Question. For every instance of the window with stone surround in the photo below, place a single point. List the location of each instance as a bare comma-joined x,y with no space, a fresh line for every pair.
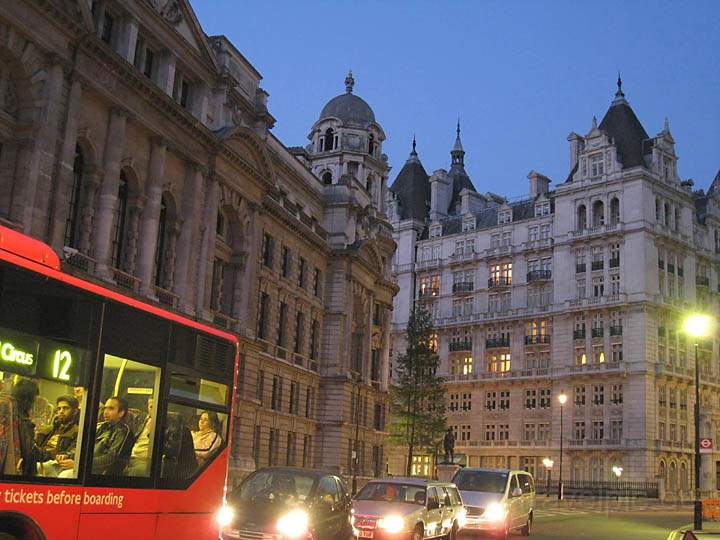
616,429
545,398
579,431
504,403
529,432
503,432
489,432
490,401
599,394
597,165
453,402
598,430
579,395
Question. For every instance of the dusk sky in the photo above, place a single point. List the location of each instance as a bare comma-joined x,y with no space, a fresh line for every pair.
521,75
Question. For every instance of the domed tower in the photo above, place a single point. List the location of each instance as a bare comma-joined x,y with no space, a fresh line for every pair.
346,147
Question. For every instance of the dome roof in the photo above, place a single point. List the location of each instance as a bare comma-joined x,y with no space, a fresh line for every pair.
348,107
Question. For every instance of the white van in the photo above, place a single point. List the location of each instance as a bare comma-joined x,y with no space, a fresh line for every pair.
497,500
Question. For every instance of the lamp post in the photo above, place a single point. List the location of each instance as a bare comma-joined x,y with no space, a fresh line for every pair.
697,326
618,473
548,468
562,398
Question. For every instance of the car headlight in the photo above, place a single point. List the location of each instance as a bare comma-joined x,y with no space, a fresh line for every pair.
462,518
391,524
225,515
495,512
294,524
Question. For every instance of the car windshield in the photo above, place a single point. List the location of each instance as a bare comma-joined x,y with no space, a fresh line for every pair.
392,492
485,481
289,487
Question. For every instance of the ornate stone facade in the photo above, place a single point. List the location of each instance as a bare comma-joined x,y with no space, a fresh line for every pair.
140,149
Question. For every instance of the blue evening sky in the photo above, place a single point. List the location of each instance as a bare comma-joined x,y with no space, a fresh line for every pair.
520,74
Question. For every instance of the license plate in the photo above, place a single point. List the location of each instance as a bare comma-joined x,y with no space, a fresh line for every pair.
366,534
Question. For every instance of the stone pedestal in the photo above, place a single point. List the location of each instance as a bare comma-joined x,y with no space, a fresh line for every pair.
446,471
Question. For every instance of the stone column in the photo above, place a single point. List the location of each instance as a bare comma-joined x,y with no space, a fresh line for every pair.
190,210
109,188
91,182
66,163
207,246
173,232
246,294
151,215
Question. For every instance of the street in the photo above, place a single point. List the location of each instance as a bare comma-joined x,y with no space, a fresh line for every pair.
606,520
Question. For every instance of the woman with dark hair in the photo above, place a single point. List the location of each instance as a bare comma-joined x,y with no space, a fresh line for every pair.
24,393
207,438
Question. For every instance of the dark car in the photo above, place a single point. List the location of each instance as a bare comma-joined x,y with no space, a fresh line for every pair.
289,503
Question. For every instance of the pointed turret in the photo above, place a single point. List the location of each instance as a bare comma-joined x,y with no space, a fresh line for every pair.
621,124
460,179
412,188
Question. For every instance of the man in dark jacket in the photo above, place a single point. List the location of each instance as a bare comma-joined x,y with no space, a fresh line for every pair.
58,439
114,439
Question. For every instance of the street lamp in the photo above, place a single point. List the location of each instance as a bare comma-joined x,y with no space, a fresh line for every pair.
617,471
697,326
548,468
562,398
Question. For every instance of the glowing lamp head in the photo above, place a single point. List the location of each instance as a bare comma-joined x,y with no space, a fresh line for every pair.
392,524
225,516
698,325
294,524
548,463
562,398
617,471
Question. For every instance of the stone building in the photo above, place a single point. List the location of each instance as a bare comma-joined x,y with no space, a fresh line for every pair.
581,288
140,149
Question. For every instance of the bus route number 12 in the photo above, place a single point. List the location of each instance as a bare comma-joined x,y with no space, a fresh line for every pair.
61,365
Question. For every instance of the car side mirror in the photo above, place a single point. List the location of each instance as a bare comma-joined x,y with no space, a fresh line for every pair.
516,492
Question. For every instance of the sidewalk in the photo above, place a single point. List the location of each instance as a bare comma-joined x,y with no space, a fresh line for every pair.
710,530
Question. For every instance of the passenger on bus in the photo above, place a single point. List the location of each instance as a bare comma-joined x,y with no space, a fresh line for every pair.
139,456
113,440
59,438
24,393
207,438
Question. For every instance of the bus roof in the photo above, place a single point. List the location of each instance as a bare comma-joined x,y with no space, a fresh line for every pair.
28,248
32,254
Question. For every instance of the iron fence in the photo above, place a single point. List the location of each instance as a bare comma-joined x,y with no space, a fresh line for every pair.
589,488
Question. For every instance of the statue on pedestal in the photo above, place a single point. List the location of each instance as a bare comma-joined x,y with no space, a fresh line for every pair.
449,445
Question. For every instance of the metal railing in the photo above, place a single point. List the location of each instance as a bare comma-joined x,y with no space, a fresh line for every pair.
465,345
537,339
466,286
497,342
499,282
594,488
539,275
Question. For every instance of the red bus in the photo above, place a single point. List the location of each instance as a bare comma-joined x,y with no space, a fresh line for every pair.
114,414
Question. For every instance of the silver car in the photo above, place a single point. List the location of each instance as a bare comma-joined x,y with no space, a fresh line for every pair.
407,509
497,500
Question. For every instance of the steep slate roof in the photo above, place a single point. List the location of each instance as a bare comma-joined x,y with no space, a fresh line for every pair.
412,188
488,218
623,126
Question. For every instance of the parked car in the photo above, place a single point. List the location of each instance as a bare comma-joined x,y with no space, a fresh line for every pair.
497,500
289,503
408,509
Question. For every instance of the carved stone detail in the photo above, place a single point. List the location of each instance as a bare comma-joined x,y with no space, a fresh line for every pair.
168,10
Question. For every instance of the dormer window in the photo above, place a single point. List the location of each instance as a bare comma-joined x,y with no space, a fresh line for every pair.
542,208
504,216
597,165
667,168
468,224
435,231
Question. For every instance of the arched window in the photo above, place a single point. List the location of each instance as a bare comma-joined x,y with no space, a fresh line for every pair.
120,223
160,246
673,477
72,224
661,469
329,139
614,211
598,215
371,145
684,483
596,470
327,178
581,217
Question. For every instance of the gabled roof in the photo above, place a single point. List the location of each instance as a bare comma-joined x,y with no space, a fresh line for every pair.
412,188
627,132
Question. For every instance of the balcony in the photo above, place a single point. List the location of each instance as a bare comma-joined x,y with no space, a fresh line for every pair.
465,345
463,287
225,321
498,251
539,275
498,282
616,330
579,334
702,281
537,339
580,268
598,332
597,265
426,293
615,263
539,243
125,280
80,261
166,297
495,343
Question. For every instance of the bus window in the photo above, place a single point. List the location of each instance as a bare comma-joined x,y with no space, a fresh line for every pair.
193,437
195,388
125,435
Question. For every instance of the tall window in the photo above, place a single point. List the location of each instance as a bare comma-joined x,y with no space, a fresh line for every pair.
581,222
263,311
119,222
329,140
160,245
72,223
598,214
614,211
